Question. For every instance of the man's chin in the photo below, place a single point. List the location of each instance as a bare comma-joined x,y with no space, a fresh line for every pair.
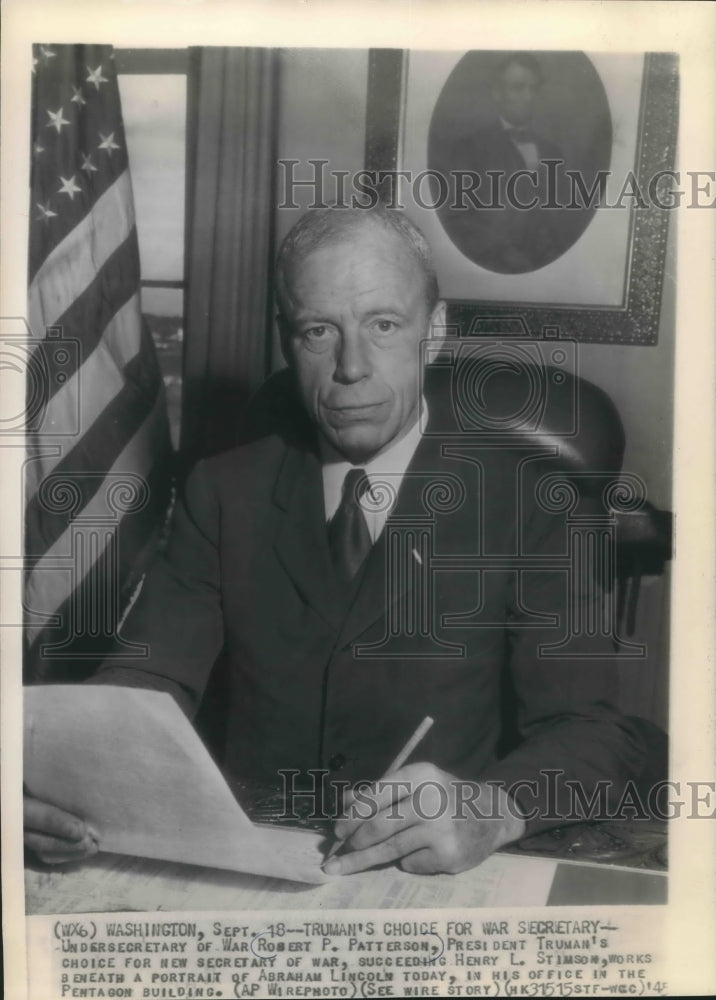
356,445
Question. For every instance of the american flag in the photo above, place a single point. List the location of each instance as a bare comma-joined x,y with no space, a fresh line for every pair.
97,470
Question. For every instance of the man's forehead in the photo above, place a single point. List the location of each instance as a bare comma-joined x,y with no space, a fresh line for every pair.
369,259
330,300
516,72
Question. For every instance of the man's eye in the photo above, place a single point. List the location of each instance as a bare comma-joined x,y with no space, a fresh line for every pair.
320,337
385,326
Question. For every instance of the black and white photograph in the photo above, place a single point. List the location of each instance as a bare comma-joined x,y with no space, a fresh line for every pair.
347,515
489,118
561,135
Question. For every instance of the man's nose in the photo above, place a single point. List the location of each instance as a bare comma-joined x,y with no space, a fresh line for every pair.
352,362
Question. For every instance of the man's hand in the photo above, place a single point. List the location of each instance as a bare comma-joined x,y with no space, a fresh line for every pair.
56,836
428,820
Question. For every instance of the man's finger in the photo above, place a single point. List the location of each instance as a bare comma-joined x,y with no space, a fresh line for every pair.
388,823
405,842
420,862
44,818
364,803
54,851
58,859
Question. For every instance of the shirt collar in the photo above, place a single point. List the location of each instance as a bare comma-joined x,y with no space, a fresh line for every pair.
509,127
393,461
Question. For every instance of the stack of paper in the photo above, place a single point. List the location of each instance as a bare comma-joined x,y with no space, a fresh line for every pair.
129,762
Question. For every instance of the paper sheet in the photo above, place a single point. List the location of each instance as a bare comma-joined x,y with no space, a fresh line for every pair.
129,762
118,884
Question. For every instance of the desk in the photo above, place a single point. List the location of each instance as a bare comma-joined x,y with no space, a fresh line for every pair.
582,865
640,844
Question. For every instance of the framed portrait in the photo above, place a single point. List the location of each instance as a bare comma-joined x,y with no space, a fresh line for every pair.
543,180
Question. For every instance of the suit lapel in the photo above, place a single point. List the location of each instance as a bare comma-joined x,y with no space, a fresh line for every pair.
301,541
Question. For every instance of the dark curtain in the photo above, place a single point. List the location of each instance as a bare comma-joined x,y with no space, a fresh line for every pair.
231,155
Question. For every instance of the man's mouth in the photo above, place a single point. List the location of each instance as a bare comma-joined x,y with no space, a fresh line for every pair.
341,415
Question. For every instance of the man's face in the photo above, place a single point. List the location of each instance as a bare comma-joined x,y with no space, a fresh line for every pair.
516,94
353,318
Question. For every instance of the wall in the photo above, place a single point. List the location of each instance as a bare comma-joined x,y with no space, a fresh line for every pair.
323,97
640,382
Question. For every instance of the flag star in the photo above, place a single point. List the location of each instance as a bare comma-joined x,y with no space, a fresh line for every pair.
108,142
38,148
95,76
87,164
69,187
56,120
47,52
77,97
45,212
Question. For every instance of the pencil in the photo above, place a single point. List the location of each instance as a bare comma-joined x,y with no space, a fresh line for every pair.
394,766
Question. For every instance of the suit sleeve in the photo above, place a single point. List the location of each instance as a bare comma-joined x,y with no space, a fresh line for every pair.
574,745
177,621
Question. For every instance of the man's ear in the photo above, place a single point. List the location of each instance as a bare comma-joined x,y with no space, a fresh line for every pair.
438,328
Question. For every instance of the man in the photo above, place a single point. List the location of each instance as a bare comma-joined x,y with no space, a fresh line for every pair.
514,232
305,586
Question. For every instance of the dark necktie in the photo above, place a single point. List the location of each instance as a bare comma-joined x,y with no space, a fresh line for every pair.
348,535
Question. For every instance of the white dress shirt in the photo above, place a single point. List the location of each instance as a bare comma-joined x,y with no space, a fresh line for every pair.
527,150
385,473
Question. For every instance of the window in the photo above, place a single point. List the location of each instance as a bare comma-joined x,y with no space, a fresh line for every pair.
153,91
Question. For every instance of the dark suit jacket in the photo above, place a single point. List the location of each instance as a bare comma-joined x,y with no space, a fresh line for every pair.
508,239
247,574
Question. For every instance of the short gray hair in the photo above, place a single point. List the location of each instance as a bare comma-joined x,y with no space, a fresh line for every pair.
320,227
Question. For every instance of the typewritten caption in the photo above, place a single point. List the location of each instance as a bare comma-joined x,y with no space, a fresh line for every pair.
169,957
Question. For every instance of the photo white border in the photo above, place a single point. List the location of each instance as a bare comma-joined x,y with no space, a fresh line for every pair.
686,27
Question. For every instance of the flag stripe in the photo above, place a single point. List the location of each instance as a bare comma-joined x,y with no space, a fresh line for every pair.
74,262
136,536
47,589
83,323
99,449
81,399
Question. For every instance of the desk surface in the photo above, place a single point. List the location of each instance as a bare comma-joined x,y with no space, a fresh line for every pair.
587,865
630,844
